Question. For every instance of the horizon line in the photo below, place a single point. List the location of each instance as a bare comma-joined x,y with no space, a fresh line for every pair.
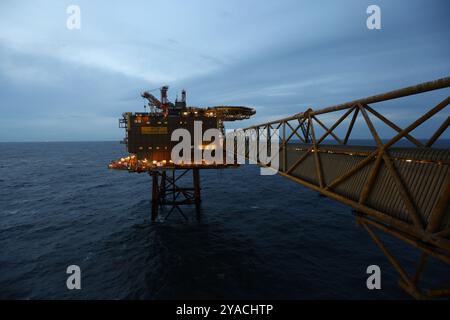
72,141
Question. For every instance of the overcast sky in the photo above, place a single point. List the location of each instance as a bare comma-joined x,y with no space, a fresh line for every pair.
280,57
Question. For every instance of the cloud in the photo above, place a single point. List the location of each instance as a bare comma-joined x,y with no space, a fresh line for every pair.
279,57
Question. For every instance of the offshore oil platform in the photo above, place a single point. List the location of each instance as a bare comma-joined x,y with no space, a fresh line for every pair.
149,144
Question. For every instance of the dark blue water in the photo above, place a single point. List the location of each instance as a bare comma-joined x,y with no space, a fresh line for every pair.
259,237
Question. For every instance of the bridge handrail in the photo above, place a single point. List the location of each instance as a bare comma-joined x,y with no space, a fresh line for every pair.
399,93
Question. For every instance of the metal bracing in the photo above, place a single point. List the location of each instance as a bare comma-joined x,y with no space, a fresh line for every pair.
360,177
166,192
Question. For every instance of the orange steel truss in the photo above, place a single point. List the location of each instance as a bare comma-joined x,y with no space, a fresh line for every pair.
429,235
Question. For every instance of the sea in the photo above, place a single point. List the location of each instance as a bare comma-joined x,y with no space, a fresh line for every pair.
258,237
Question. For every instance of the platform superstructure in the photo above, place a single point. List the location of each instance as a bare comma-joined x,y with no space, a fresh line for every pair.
148,137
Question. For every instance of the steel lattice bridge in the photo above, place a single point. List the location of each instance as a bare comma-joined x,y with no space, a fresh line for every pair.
402,191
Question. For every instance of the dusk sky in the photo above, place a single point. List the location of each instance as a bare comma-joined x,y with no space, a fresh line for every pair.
280,58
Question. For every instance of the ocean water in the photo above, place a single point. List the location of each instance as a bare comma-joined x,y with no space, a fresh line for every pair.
259,236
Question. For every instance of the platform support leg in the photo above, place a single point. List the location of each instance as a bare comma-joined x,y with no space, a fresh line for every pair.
155,195
166,192
162,188
197,197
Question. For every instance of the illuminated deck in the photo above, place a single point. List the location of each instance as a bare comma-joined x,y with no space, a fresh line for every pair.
131,164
